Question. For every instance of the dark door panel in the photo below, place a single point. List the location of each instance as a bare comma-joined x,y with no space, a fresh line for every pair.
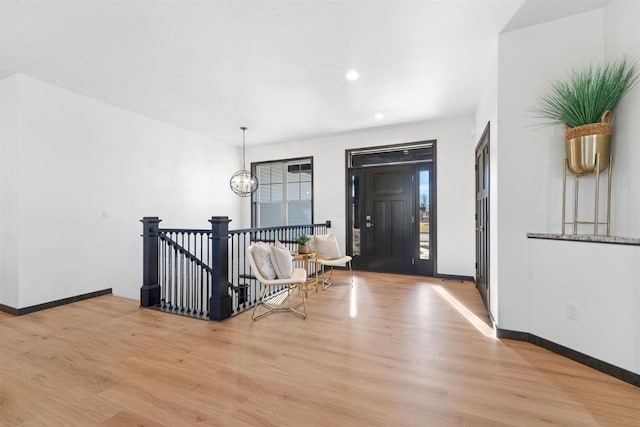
388,233
482,216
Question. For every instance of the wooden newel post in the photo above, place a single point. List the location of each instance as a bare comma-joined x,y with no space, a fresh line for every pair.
220,301
150,290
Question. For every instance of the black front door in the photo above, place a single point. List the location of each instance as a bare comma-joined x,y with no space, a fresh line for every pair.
388,219
482,216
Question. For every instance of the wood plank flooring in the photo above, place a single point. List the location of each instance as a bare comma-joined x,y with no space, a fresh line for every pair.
388,352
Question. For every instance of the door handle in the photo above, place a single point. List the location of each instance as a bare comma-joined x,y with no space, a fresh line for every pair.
480,228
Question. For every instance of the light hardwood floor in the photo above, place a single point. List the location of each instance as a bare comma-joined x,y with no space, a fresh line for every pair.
389,352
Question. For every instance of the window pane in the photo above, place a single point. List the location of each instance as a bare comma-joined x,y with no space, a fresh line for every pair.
305,191
277,172
293,191
305,176
276,192
355,214
424,214
299,213
264,192
270,214
293,173
263,174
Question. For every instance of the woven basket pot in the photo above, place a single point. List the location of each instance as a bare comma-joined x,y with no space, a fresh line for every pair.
584,142
303,249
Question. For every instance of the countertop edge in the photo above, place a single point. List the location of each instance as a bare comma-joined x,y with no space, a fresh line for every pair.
587,238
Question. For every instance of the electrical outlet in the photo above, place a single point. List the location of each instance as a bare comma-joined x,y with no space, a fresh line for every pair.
572,311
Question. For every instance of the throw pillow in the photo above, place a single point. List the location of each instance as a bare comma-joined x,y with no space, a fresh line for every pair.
282,262
311,243
327,246
262,257
279,244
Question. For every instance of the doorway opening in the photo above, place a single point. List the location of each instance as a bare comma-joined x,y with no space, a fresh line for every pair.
391,208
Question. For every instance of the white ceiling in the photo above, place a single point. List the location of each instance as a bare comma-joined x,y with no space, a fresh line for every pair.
277,67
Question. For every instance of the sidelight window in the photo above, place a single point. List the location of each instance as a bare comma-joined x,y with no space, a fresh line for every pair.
424,204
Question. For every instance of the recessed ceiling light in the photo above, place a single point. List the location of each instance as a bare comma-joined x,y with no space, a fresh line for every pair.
353,75
379,116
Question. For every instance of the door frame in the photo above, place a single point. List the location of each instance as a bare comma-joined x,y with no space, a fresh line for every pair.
416,165
485,139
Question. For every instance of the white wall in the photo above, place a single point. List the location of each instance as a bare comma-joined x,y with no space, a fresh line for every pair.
601,280
538,279
455,177
622,38
487,111
88,172
8,191
530,158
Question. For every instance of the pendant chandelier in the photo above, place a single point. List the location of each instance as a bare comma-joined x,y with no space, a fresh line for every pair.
243,183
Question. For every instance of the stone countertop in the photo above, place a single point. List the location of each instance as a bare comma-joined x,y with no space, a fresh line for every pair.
614,240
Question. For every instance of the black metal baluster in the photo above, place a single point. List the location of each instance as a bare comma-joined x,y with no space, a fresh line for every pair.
242,285
192,286
200,283
187,287
232,290
163,273
179,275
176,294
170,277
182,270
190,281
176,271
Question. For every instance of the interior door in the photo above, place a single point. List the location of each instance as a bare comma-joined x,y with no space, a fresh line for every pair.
388,240
482,216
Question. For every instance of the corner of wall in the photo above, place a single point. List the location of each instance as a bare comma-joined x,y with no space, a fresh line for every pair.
9,191
528,59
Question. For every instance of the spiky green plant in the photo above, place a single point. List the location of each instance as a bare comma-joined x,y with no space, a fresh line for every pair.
587,94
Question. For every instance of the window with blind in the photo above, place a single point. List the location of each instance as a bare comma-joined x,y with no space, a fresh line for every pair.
285,193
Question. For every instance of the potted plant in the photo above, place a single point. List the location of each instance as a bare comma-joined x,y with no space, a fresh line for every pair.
302,241
583,103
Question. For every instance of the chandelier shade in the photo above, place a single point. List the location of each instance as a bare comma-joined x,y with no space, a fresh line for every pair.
243,182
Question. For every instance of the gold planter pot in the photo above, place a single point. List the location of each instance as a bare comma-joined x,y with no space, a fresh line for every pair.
581,153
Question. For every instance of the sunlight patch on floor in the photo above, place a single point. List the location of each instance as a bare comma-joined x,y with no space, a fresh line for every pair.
477,323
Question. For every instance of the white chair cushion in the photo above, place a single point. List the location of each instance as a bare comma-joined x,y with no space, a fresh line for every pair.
327,246
282,262
279,244
262,258
335,262
299,276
